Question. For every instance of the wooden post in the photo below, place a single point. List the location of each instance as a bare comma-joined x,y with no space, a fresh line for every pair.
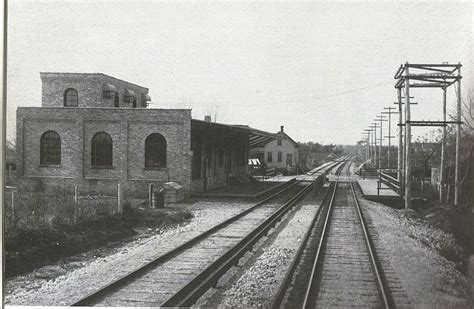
119,199
13,208
448,194
408,179
389,137
381,119
76,197
457,176
368,145
150,195
443,146
389,133
380,145
400,139
375,145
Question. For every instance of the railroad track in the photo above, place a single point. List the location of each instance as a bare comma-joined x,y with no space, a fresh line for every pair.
336,265
182,275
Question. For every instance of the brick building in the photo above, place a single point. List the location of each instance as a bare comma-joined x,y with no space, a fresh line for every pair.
94,131
90,90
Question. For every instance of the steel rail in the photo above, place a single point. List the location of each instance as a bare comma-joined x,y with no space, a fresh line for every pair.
381,284
320,245
92,297
276,303
190,293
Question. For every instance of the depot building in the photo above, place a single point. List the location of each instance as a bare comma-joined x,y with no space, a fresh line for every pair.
94,131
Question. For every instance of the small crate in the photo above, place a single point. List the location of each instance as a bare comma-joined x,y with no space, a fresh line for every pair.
174,192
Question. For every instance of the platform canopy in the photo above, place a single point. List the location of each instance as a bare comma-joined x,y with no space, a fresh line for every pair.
256,138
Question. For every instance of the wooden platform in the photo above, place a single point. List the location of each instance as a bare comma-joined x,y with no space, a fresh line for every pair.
254,190
369,189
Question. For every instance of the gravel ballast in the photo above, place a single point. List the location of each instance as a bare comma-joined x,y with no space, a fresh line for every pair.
428,279
80,275
260,281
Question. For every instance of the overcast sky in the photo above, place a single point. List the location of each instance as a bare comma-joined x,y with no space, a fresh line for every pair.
322,70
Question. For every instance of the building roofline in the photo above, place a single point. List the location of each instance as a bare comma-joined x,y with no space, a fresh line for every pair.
257,137
96,74
230,126
101,107
286,135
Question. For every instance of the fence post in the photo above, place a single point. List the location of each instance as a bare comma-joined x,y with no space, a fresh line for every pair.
119,199
13,208
76,196
150,195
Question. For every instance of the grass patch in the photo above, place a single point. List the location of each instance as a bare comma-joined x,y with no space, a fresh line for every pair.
28,249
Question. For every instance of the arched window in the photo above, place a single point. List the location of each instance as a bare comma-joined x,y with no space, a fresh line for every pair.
134,102
116,100
50,148
70,97
155,151
101,150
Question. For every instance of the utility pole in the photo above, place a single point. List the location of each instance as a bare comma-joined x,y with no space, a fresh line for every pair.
457,176
381,119
391,110
374,127
400,160
401,139
429,76
443,146
367,131
407,140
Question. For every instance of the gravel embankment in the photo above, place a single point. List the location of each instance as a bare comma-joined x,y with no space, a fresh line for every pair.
260,281
429,279
82,274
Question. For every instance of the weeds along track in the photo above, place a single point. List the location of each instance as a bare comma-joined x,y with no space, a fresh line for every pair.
336,265
181,276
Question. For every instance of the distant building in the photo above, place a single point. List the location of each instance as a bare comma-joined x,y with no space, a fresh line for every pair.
280,153
95,131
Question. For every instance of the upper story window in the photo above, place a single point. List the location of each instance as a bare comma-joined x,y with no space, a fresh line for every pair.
101,150
155,151
129,97
116,100
70,97
279,142
50,148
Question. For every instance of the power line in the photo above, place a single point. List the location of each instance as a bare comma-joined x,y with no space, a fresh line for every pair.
329,95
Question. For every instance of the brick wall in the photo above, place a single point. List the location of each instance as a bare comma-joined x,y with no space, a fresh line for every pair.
128,129
89,87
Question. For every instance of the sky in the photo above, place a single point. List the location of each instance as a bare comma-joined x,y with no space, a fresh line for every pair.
322,70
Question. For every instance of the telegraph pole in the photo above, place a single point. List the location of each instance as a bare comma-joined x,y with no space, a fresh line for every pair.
457,183
374,127
391,110
367,131
407,140
443,146
381,119
400,165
